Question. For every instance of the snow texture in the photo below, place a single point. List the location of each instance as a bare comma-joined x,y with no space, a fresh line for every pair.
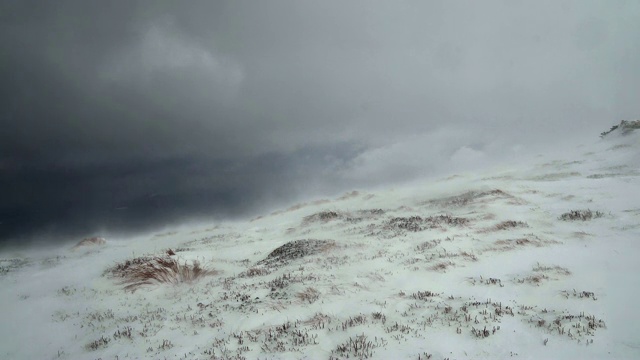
530,261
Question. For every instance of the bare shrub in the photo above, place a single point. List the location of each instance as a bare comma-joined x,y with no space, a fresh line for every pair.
513,244
156,270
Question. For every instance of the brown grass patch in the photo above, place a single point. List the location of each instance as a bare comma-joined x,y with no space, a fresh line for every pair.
309,295
156,270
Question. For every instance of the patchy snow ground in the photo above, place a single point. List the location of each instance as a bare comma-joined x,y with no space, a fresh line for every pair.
466,267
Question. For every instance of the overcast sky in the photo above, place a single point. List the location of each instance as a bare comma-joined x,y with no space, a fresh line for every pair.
126,115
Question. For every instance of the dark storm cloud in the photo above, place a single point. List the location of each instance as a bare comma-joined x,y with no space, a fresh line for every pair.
122,115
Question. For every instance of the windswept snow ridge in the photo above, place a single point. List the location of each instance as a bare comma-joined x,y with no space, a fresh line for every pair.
535,261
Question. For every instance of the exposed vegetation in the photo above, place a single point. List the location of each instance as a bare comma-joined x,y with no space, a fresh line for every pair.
582,215
295,250
510,224
154,270
468,198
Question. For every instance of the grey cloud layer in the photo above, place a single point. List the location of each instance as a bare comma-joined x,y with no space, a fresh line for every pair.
224,107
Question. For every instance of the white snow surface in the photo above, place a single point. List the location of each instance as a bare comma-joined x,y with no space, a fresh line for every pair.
483,251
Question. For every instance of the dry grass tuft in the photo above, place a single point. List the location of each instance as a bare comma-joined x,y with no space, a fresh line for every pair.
552,268
510,224
309,295
513,244
156,270
359,347
427,245
582,215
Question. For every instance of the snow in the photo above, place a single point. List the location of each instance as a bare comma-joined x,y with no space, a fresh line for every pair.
465,253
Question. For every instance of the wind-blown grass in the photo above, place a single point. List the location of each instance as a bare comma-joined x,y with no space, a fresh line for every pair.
156,270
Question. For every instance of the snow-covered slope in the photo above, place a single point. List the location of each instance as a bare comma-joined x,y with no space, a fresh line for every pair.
531,261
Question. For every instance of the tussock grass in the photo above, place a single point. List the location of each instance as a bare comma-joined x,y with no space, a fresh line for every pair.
309,295
155,270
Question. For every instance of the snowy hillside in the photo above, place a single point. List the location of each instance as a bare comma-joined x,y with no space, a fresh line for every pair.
531,261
